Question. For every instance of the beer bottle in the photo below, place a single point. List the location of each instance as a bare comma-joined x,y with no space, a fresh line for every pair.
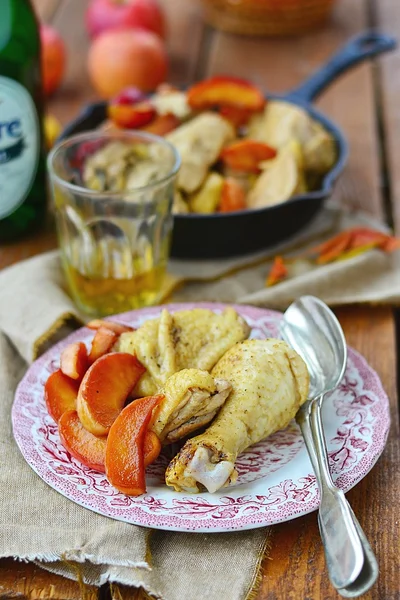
22,148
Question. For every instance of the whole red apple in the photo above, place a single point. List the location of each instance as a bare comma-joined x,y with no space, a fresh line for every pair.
119,58
102,15
53,58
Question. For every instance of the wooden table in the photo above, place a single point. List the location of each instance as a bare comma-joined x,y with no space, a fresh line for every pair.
366,103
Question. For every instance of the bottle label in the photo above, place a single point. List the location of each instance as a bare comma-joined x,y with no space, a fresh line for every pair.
19,145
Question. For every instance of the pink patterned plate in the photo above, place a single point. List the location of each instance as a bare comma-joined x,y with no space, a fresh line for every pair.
275,483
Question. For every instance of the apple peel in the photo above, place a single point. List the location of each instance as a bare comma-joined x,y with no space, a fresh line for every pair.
225,91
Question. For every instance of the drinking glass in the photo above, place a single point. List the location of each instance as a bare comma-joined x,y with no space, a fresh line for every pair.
113,195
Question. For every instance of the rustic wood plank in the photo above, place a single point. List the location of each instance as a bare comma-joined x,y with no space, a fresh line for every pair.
280,64
386,13
46,9
26,581
296,565
75,90
34,244
185,30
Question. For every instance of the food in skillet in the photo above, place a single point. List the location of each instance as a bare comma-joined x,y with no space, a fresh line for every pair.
198,368
238,150
269,383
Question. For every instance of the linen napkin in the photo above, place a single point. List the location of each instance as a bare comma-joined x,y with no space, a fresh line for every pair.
371,277
38,524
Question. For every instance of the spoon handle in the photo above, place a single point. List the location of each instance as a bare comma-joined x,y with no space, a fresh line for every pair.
343,548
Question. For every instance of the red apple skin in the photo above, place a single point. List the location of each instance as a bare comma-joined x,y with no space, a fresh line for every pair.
102,15
130,95
53,59
119,58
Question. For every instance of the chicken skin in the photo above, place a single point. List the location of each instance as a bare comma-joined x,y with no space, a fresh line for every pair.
192,399
269,383
186,339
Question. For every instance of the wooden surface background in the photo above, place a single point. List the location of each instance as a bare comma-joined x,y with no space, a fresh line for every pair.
366,104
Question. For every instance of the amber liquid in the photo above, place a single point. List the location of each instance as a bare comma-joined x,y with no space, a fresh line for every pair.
99,296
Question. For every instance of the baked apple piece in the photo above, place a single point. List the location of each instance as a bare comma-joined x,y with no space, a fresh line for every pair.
131,116
89,449
104,339
162,124
118,328
225,91
60,394
246,155
236,115
233,197
74,360
105,388
125,466
83,445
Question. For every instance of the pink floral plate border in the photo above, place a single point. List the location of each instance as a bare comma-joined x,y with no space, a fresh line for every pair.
275,483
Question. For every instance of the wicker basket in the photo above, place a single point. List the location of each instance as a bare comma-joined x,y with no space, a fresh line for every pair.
267,17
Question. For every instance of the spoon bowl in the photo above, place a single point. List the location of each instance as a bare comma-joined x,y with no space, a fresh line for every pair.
316,335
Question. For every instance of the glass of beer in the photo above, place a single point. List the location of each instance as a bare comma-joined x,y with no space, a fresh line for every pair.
113,194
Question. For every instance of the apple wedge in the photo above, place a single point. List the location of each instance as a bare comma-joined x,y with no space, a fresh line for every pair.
125,465
74,360
104,339
89,449
105,388
118,328
60,394
83,445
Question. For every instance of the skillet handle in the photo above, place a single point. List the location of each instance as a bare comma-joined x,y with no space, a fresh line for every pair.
89,118
366,45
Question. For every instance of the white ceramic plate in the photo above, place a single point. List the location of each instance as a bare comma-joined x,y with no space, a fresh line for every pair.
276,482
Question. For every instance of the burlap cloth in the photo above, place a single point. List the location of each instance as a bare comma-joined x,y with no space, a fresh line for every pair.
38,524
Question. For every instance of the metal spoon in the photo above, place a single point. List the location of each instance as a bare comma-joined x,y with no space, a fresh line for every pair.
314,332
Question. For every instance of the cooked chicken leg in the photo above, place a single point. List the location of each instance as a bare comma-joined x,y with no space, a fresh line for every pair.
192,398
183,340
269,384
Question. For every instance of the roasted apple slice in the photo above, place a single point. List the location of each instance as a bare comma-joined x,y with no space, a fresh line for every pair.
279,271
74,360
103,341
236,115
246,155
105,388
83,445
60,393
162,124
225,91
131,116
125,468
118,328
232,196
90,450
152,447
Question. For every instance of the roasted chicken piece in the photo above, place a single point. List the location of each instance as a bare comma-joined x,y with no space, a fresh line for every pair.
269,383
192,399
199,143
183,340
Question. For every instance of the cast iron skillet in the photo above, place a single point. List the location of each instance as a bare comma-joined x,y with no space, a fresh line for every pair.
238,233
